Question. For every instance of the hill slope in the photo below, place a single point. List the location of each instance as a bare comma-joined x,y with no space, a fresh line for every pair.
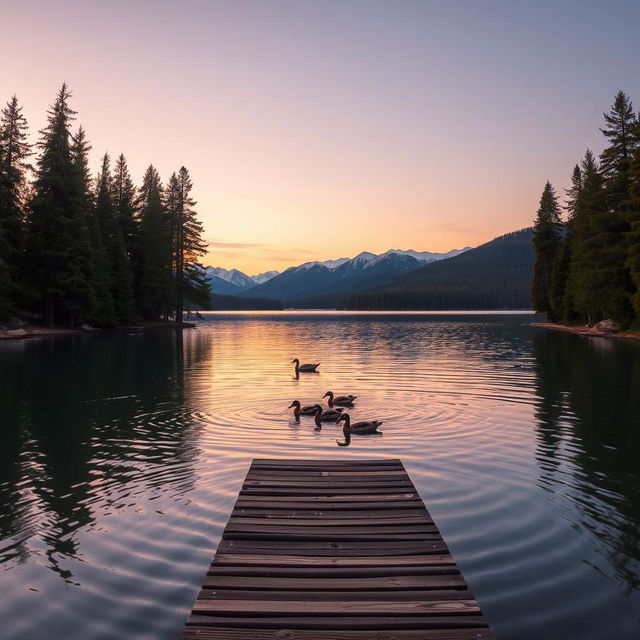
495,275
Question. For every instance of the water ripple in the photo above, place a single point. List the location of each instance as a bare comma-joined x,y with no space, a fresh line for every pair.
124,466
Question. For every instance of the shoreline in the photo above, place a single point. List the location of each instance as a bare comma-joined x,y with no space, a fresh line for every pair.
587,331
35,331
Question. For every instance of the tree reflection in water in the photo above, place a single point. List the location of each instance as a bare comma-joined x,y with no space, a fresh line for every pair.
588,432
85,434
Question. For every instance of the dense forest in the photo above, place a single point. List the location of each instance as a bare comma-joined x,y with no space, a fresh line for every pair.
76,248
495,275
220,302
588,268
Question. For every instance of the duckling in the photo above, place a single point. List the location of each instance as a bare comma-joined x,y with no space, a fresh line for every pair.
307,410
345,401
328,415
305,368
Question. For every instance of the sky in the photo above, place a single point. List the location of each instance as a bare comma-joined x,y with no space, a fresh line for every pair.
316,129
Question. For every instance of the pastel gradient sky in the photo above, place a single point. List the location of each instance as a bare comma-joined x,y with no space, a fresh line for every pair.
318,129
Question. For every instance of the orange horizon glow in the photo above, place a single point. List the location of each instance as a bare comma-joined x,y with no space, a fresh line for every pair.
314,131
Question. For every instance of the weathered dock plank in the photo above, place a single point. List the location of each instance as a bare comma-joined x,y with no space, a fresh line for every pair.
333,550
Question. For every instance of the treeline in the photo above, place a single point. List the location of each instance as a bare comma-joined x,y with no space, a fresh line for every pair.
76,248
236,303
449,297
588,269
495,275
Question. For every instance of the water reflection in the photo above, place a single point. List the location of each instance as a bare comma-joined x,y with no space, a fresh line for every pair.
121,457
589,442
96,427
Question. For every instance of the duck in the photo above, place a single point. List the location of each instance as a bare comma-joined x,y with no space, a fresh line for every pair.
304,368
345,401
362,427
306,410
328,415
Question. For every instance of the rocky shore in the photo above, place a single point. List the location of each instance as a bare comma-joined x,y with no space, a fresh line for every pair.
604,329
18,330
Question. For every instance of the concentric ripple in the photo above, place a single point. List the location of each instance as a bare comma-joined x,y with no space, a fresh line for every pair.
124,454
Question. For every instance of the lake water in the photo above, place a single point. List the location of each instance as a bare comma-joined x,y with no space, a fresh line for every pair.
121,456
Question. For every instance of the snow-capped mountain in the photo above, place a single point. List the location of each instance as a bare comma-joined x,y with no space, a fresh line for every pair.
344,274
232,276
259,278
329,264
425,256
233,281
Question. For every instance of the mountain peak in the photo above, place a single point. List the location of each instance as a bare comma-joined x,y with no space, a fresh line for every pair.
259,278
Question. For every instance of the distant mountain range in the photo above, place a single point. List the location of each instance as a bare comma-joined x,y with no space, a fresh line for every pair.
495,275
231,281
313,278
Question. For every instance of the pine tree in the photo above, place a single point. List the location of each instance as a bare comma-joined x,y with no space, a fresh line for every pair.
574,191
155,293
14,151
597,286
614,224
124,201
547,242
101,310
561,304
615,160
188,245
120,276
57,244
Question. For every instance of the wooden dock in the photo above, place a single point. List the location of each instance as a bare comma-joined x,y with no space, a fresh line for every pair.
333,550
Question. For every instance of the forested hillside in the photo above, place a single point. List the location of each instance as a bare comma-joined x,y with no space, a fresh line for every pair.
236,303
496,275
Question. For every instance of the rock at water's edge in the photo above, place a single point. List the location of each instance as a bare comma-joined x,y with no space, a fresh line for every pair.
605,326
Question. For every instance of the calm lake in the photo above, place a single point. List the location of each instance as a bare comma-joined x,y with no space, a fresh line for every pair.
121,456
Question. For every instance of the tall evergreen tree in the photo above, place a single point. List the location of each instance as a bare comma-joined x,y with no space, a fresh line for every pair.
101,309
574,191
155,293
124,201
57,244
613,225
561,304
597,286
615,160
14,152
120,275
188,245
547,243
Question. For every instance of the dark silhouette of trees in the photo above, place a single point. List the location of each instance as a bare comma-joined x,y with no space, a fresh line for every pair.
76,249
547,242
596,272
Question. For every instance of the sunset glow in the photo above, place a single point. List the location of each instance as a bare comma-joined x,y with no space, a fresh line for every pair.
319,130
